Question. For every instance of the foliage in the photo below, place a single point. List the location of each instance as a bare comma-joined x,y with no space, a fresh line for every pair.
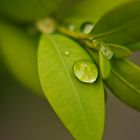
41,42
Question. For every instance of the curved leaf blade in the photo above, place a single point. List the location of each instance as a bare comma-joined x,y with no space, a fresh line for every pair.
123,81
80,106
120,26
104,65
78,13
134,46
119,51
126,82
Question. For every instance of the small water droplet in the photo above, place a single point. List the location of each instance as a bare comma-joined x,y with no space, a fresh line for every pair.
67,53
87,27
106,51
85,70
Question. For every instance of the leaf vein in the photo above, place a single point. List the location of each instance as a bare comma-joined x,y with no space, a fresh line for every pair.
128,84
74,88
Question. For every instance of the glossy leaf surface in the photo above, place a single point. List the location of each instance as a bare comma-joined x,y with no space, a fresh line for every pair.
120,26
78,12
80,106
119,51
124,82
104,65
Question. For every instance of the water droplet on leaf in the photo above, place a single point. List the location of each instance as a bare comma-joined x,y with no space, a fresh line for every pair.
86,71
119,51
106,51
67,53
87,27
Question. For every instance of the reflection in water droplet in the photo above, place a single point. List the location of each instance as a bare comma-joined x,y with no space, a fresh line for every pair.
85,70
106,51
87,27
67,53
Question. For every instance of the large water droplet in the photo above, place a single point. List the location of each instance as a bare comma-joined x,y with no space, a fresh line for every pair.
86,71
67,53
87,27
106,51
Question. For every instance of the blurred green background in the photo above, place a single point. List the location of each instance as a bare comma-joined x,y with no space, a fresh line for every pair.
25,115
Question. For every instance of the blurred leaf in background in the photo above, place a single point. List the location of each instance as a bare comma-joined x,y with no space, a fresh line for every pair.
19,51
29,10
81,11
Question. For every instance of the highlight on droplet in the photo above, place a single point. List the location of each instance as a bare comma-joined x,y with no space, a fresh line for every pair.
67,53
106,51
87,27
85,70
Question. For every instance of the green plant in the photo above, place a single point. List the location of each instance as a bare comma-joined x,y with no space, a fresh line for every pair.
73,64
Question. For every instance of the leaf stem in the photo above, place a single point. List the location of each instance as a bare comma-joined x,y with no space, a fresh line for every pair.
73,34
84,39
49,26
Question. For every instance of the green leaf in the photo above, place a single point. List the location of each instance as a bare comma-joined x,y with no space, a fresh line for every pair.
119,51
124,82
135,46
120,26
82,11
104,65
20,54
80,106
30,10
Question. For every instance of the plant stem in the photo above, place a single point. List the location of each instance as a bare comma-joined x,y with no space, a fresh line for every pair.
84,39
73,34
49,26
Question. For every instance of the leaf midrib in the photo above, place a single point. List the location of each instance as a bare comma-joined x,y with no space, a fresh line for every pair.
74,88
115,30
123,80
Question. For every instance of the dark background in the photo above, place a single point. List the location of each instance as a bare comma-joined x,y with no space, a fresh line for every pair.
25,116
